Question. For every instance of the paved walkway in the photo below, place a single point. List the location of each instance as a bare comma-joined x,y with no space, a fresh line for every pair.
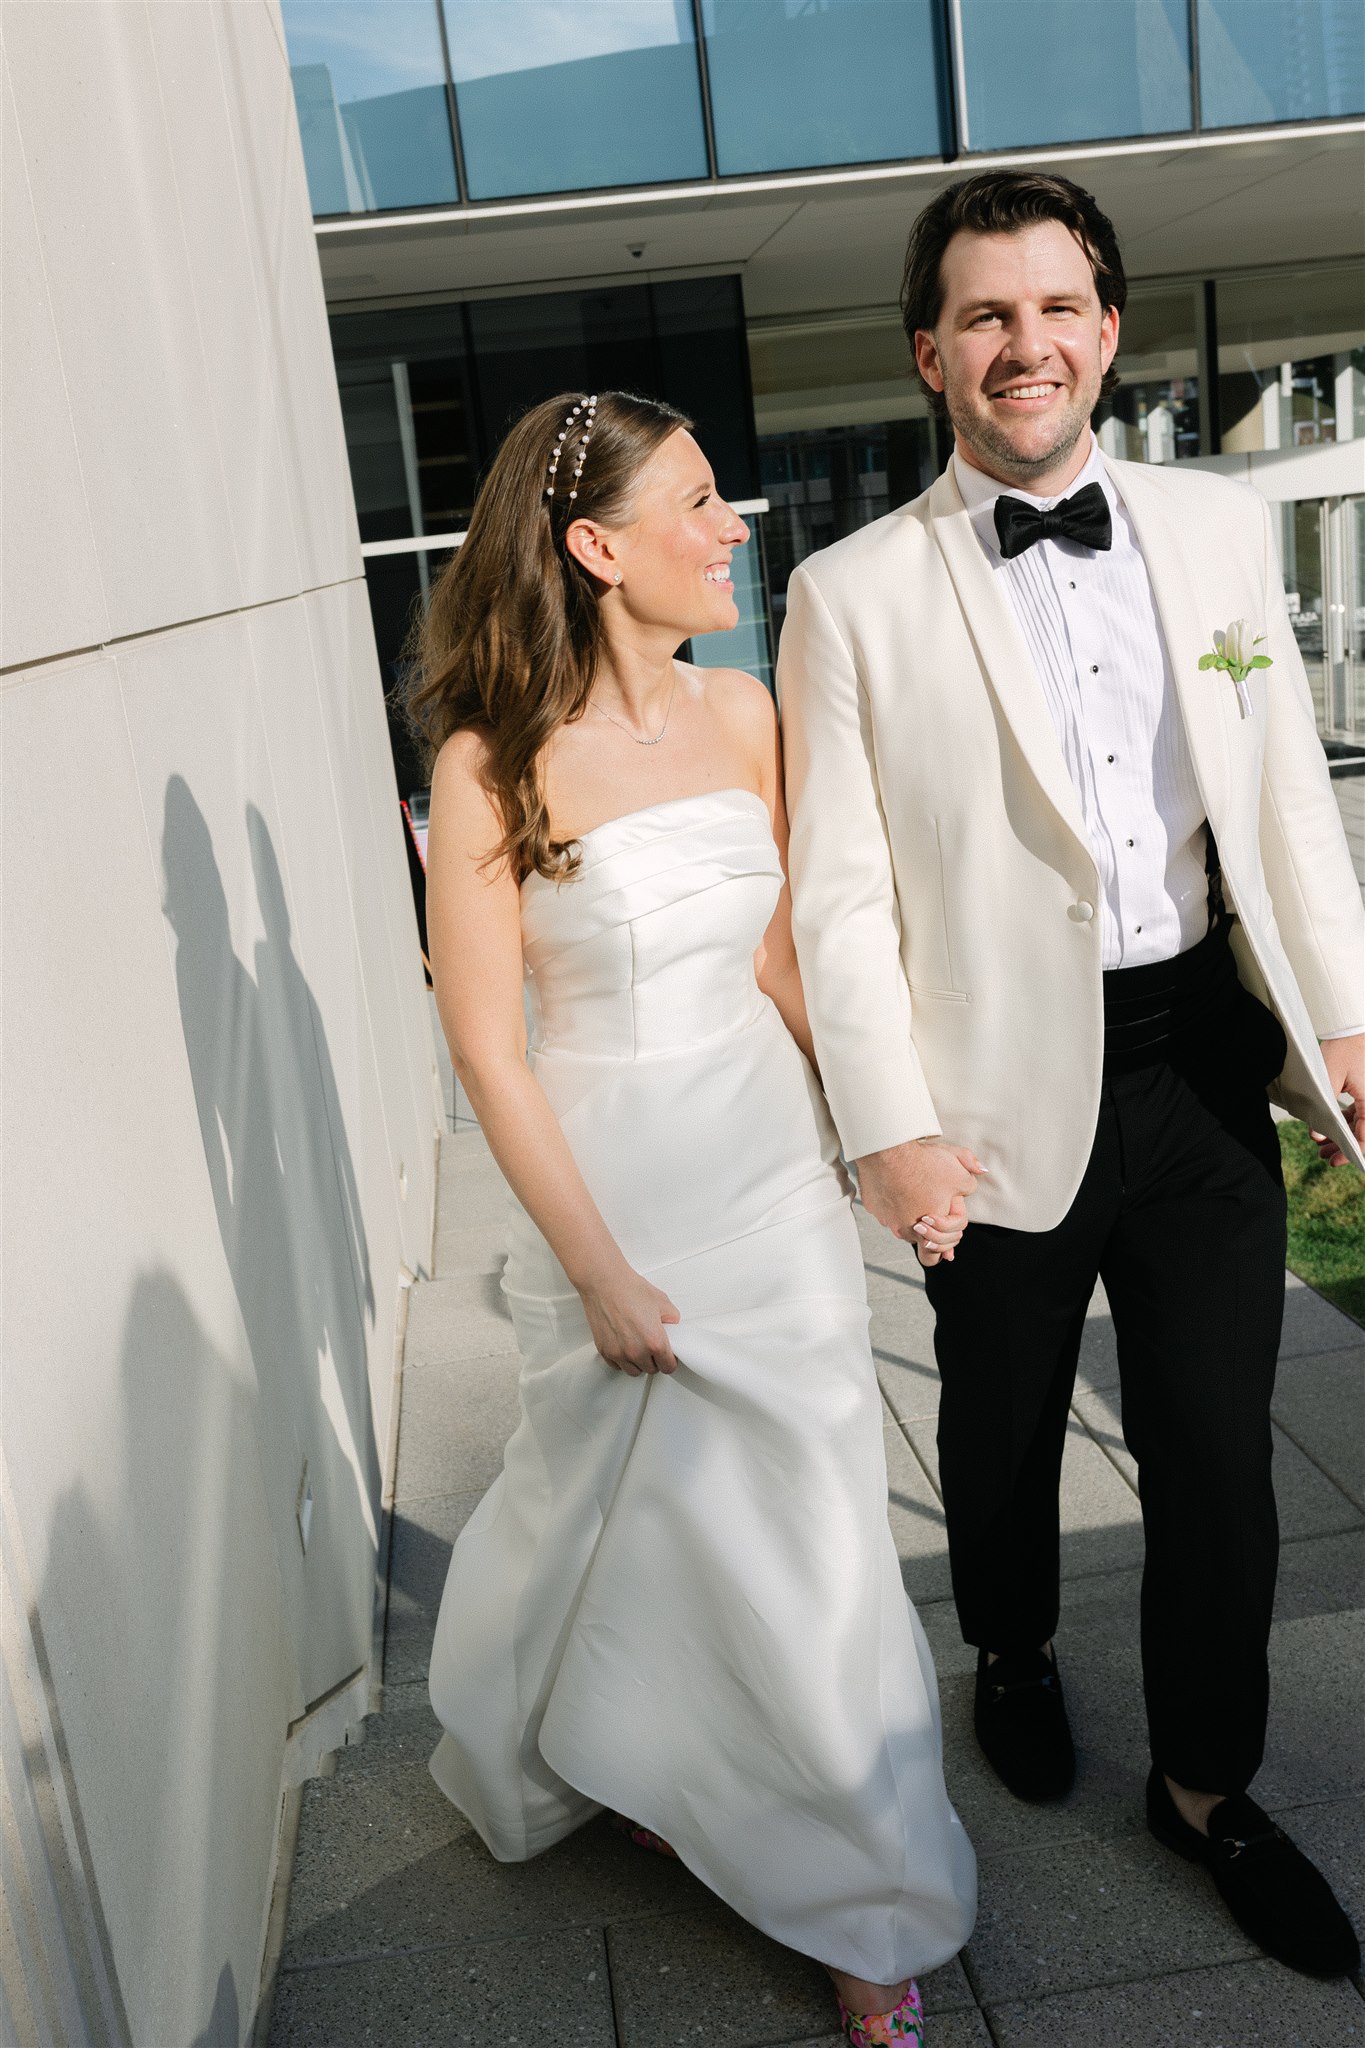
403,1931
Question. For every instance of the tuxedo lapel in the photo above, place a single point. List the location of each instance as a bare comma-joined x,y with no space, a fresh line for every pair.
1004,655
1188,633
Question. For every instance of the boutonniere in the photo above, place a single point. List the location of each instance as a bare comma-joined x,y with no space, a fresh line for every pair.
1235,651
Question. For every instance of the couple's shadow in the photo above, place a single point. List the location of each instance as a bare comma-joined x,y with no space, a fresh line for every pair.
289,1215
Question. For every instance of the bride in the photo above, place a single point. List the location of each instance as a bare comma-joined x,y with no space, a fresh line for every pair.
680,1600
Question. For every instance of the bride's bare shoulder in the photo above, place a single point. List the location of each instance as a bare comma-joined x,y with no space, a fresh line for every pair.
739,700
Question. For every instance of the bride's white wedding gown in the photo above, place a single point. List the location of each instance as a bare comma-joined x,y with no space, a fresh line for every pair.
681,1598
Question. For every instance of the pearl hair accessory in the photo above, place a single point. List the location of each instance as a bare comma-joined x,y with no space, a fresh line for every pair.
588,408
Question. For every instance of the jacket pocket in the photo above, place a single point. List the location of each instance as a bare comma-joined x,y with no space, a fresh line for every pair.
937,995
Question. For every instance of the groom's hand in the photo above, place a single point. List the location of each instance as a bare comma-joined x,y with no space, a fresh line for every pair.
924,1177
1345,1061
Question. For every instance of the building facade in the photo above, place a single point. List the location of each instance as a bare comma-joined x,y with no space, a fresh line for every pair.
709,200
220,1104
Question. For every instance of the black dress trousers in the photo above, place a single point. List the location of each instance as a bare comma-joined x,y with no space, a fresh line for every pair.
1181,1213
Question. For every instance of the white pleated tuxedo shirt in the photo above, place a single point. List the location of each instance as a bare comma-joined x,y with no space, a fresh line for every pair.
1090,622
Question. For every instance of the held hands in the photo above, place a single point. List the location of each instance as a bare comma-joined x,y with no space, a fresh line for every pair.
627,1316
919,1191
1345,1062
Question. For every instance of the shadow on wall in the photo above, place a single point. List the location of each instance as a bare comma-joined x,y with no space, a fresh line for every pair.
288,1207
182,1643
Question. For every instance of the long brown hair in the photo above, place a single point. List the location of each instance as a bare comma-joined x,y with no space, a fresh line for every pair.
511,639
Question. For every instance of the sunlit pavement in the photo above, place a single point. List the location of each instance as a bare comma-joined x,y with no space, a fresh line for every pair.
403,1930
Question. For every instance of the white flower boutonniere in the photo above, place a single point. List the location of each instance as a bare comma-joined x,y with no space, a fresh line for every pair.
1235,652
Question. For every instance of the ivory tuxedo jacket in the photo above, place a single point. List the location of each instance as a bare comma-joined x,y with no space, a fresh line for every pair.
945,902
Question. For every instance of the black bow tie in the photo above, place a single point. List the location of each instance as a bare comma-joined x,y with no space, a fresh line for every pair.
1084,518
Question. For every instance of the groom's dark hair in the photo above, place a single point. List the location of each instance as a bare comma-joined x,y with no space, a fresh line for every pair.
1001,203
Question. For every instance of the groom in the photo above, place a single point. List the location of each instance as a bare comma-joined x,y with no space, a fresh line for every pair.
1068,903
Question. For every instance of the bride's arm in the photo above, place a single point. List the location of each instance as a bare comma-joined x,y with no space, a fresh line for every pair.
474,932
775,962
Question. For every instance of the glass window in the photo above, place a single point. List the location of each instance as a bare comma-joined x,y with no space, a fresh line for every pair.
1154,414
1280,60
411,425
835,370
369,83
1073,70
796,82
562,99
1291,358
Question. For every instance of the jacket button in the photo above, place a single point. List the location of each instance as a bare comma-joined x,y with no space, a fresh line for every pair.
1081,913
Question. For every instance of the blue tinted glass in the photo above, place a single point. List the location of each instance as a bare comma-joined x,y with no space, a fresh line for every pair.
560,99
797,82
1280,60
1072,70
369,82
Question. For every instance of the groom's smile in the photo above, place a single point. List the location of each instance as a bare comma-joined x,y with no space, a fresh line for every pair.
1019,350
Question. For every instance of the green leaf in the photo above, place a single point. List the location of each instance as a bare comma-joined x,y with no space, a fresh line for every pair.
1261,661
1210,661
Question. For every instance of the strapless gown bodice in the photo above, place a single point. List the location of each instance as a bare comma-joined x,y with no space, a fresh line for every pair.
681,1597
649,948
647,1019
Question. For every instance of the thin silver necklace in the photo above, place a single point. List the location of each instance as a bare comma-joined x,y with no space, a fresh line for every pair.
635,735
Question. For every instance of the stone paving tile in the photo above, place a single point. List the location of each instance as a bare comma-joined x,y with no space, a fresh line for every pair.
423,1534
1101,1520
1086,1912
1320,1402
1333,1835
1107,1798
707,1977
1322,1575
1310,1504
456,1420
916,1522
403,1733
902,1332
385,1862
1313,1324
1098,1412
471,1218
468,1996
464,1317
1242,2005
1315,1744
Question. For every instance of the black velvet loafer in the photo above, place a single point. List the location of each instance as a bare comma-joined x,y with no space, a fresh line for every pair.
1272,1891
1021,1724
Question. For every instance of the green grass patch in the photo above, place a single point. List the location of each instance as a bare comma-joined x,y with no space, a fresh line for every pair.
1326,1221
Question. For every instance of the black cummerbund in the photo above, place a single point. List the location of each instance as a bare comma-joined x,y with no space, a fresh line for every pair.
1149,1011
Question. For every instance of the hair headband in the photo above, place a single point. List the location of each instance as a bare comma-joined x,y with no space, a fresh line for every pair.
588,422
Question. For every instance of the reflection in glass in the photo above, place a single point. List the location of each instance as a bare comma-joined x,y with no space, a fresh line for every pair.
561,99
824,482
1072,70
1280,60
831,370
797,82
406,399
1291,358
1154,414
369,83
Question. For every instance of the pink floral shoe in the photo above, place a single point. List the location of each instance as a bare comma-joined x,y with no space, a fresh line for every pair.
643,1838
884,2029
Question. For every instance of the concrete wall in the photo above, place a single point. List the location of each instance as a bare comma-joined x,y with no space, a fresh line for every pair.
220,1102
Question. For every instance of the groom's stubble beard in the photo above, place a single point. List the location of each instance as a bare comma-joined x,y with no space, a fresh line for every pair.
998,455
